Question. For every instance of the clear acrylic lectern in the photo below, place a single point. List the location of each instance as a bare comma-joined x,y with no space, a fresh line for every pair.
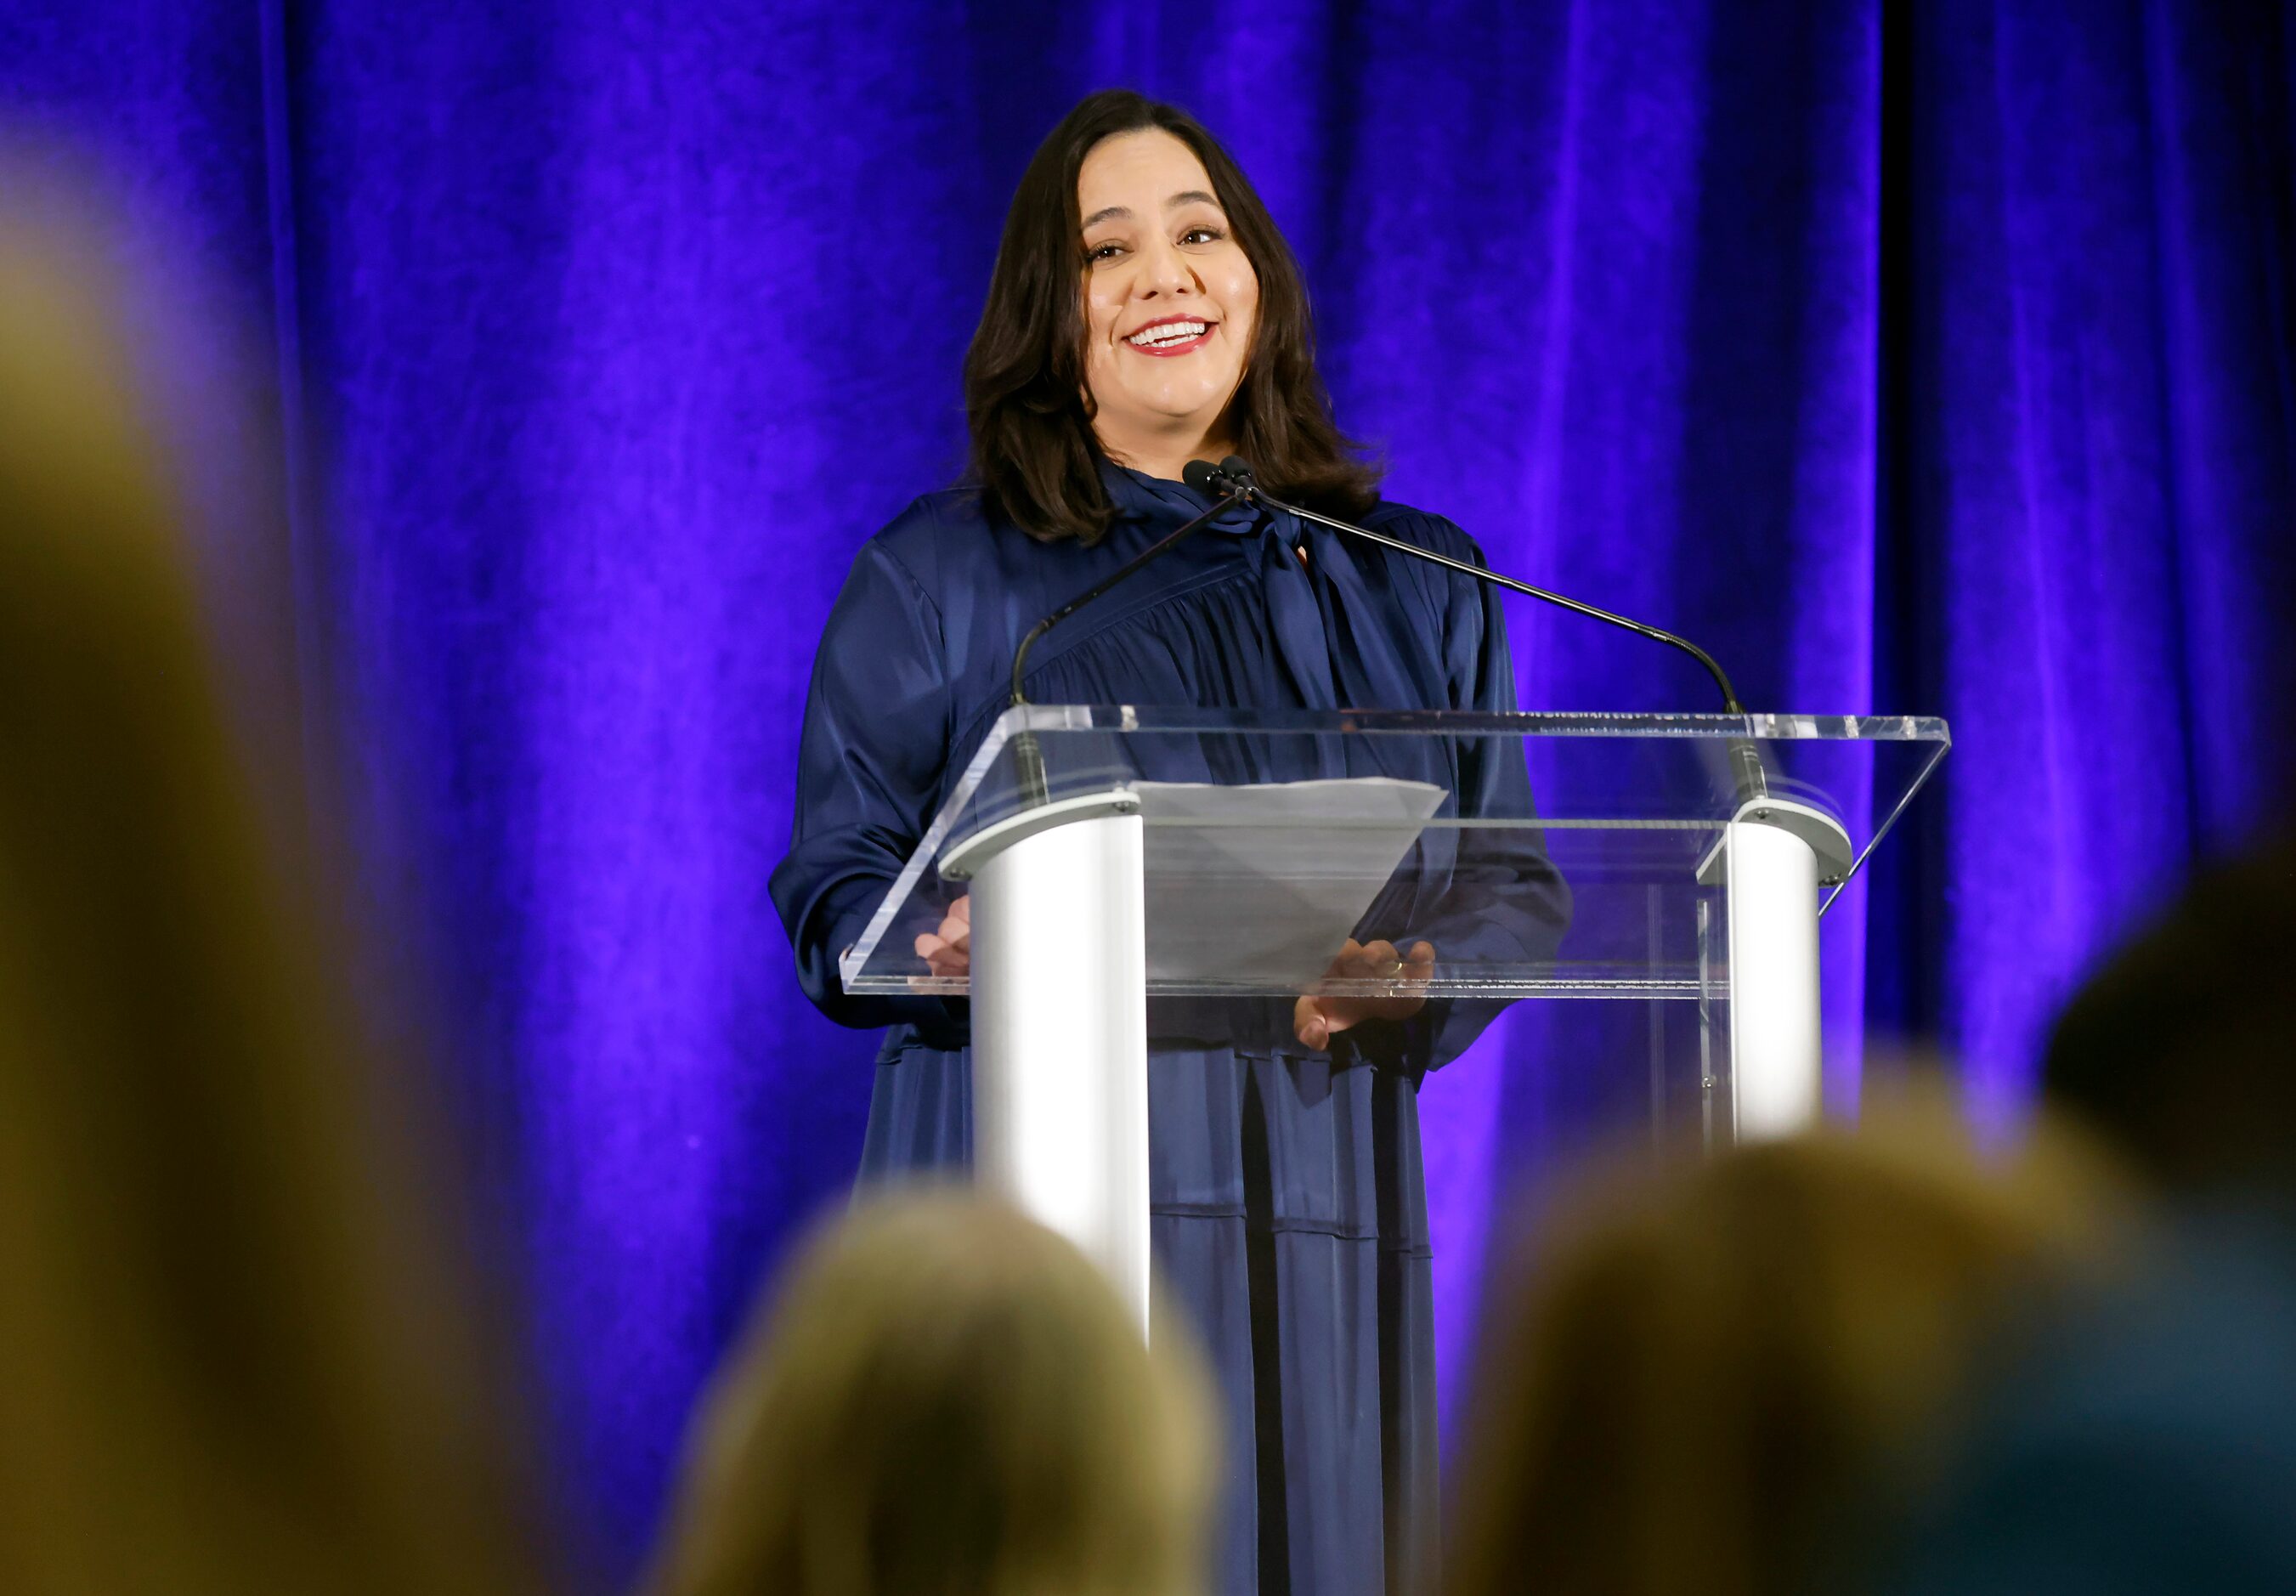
1129,867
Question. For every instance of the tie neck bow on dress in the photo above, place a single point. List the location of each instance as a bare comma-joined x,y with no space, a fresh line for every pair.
1169,504
1309,605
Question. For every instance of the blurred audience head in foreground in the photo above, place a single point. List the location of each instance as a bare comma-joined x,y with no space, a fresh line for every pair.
2181,1051
2148,1442
942,1397
234,1359
1704,1376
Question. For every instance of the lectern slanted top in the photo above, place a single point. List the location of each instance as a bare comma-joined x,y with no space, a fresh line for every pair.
1156,875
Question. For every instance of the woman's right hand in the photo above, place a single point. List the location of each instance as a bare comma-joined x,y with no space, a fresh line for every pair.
948,951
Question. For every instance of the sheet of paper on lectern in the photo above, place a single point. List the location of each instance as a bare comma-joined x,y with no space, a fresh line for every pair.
1267,881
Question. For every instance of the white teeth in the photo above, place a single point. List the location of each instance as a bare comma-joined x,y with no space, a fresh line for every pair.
1167,333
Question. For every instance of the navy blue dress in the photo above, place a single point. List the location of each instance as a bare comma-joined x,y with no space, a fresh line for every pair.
1288,1210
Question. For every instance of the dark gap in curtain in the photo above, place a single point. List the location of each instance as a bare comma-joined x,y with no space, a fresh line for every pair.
2268,99
2272,99
2155,83
304,549
1740,434
1902,999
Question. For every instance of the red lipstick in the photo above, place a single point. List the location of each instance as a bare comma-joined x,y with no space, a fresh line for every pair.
1187,347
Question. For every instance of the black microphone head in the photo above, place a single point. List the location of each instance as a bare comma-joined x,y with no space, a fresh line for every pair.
1237,467
1203,476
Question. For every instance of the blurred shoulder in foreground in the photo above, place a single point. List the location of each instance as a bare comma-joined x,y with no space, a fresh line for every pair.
237,1358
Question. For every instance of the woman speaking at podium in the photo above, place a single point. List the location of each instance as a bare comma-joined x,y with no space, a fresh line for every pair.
1144,312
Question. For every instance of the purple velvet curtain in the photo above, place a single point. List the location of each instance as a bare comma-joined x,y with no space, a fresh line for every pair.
1926,357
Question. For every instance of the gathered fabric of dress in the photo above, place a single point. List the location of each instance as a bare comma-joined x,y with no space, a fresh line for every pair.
1288,1211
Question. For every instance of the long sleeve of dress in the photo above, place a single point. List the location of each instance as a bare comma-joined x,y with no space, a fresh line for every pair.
870,766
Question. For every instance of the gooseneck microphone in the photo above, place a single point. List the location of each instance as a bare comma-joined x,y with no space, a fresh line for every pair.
1029,759
1233,479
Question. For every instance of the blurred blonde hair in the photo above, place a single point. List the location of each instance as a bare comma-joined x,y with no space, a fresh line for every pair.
230,1358
1705,1376
945,1397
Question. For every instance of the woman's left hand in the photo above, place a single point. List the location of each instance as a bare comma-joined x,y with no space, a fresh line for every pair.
1317,1020
947,949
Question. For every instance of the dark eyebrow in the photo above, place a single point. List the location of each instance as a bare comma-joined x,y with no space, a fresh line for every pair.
1185,196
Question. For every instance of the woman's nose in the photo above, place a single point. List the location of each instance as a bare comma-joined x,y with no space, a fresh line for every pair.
1165,270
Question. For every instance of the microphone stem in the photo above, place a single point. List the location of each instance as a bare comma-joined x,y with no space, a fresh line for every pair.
1154,551
1027,758
1730,704
1748,778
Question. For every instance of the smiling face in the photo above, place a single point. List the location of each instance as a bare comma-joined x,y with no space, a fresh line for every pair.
1170,301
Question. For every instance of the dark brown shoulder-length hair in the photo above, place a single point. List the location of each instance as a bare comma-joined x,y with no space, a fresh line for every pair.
1034,453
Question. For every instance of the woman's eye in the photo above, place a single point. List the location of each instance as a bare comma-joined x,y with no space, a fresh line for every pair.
1106,251
1201,235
